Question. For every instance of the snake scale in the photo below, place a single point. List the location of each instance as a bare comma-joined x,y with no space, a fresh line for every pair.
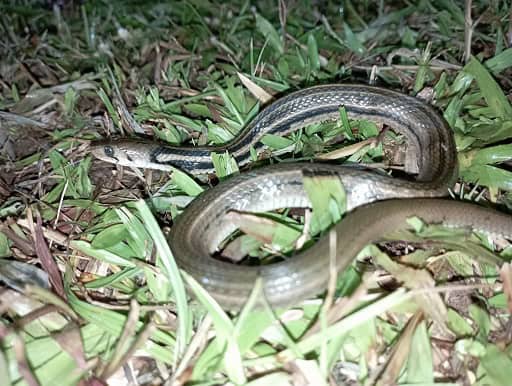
377,203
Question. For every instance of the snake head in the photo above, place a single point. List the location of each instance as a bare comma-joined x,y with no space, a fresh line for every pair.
126,153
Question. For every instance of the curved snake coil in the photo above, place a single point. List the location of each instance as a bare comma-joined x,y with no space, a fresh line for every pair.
203,225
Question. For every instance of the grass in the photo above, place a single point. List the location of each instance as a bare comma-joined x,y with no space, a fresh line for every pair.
198,72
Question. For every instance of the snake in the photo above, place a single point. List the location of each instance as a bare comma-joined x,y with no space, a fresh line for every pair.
376,202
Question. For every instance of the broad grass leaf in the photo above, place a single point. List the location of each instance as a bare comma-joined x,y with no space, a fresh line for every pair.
270,33
491,91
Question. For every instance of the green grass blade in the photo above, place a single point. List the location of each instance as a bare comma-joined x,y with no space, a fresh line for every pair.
173,273
491,91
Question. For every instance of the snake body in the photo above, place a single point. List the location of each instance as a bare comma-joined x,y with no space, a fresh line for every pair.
195,236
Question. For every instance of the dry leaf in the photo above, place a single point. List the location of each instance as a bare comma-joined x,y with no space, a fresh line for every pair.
260,94
348,150
46,258
70,340
260,228
305,373
430,302
401,351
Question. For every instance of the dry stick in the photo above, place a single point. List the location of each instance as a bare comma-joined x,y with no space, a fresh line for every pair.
373,75
305,231
26,246
129,330
454,288
53,235
125,307
343,307
347,304
468,31
44,106
140,340
195,344
389,372
36,314
69,340
21,120
18,346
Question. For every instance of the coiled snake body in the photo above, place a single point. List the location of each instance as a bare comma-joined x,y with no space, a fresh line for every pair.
203,225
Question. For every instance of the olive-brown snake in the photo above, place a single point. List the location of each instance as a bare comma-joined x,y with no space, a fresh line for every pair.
203,225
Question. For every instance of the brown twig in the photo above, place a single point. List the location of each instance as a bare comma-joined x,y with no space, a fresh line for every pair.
18,346
199,340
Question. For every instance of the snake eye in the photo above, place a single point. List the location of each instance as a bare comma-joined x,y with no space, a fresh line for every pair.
109,151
